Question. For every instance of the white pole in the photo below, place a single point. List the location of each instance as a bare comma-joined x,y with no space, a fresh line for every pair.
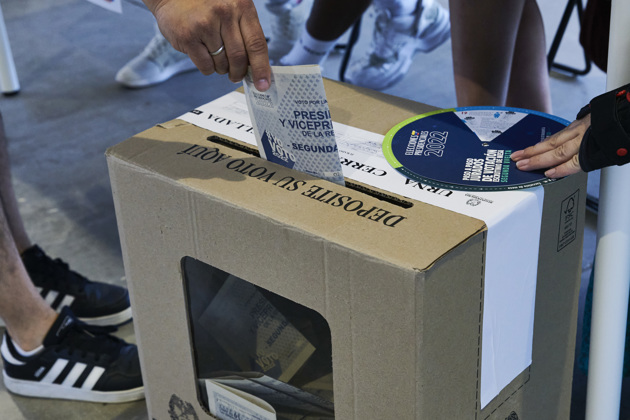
8,76
612,258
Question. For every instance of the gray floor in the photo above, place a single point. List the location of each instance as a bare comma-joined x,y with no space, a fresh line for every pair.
70,110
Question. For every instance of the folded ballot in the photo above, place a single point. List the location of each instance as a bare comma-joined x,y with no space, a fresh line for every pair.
292,122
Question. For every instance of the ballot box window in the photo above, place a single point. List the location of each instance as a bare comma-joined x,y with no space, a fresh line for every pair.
250,342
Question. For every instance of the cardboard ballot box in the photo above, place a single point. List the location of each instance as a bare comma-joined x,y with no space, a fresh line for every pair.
369,300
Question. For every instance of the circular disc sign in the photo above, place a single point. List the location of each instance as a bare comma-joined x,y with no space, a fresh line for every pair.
469,148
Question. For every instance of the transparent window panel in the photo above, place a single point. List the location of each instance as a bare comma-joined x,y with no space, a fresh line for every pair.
256,352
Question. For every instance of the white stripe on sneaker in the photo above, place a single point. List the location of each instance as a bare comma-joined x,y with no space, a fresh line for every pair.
54,371
50,297
74,374
6,354
93,377
67,301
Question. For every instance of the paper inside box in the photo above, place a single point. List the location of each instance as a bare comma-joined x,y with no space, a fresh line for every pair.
240,327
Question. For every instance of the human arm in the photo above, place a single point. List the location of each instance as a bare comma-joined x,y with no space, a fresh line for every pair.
599,137
559,152
200,27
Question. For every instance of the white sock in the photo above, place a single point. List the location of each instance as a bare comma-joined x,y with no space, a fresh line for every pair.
308,50
398,7
28,353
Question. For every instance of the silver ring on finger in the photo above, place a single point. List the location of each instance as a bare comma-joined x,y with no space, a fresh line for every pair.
219,51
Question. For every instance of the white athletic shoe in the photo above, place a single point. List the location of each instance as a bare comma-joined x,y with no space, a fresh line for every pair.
288,21
395,41
158,62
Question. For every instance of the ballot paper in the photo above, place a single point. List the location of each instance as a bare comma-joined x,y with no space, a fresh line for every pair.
233,392
226,403
292,122
253,332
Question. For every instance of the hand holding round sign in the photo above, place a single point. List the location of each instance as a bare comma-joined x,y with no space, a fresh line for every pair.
469,148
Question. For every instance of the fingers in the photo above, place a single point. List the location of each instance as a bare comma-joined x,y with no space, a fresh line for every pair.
245,45
257,53
201,57
207,49
568,168
218,52
222,36
235,55
556,155
558,152
575,130
548,144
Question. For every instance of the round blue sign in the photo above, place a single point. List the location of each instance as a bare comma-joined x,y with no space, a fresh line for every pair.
469,148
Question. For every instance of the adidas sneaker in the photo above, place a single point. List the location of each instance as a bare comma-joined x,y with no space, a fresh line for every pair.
395,41
77,362
92,302
158,62
287,22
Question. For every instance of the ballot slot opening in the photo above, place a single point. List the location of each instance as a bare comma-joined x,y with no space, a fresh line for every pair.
349,184
256,350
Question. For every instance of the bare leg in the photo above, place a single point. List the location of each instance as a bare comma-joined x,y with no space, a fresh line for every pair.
329,19
7,197
529,79
483,37
26,315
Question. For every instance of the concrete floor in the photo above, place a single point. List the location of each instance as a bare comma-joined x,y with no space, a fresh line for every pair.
70,110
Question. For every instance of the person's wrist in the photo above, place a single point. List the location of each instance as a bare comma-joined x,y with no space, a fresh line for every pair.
586,109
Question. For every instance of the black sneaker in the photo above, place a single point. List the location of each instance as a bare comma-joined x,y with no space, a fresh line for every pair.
92,302
78,362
